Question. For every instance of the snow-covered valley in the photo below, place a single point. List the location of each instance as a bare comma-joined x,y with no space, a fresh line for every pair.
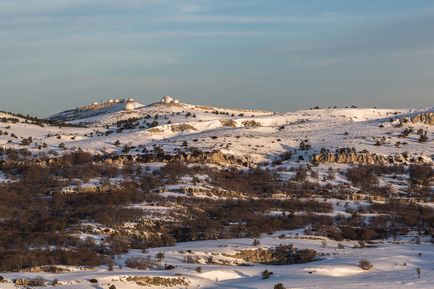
394,264
124,195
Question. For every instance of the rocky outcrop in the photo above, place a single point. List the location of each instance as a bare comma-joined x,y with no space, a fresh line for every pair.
196,157
351,156
424,118
35,282
177,282
45,269
255,256
213,157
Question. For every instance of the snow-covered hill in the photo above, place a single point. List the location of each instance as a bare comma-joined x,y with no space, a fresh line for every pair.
311,190
394,264
255,135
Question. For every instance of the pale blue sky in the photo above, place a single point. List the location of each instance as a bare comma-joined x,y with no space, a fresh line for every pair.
275,54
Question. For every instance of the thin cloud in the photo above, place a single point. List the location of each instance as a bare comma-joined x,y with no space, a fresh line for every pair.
219,48
224,19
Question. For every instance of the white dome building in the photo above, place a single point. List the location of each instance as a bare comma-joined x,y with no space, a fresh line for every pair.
94,103
130,105
167,99
117,100
110,100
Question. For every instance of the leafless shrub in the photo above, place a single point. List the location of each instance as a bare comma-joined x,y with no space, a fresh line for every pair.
37,282
193,259
362,176
140,263
365,265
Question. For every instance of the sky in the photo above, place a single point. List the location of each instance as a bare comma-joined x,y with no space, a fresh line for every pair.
279,55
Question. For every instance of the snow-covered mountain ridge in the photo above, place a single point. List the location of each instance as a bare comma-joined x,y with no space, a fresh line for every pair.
262,191
257,135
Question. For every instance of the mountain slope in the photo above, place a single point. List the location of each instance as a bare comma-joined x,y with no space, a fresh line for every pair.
256,135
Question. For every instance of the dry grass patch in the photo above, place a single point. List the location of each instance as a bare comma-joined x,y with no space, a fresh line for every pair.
251,124
228,122
156,130
182,127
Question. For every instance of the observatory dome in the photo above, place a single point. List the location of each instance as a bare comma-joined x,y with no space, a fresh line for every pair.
130,104
167,99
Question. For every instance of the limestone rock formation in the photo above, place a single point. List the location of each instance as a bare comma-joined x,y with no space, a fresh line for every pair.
351,156
424,118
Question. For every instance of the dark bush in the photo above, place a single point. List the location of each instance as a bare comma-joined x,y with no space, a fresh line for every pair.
365,265
362,176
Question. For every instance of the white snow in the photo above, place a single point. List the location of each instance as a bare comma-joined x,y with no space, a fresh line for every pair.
394,266
279,132
395,263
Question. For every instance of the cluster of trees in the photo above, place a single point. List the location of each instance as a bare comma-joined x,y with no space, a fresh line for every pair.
35,214
204,220
84,255
14,154
136,122
420,177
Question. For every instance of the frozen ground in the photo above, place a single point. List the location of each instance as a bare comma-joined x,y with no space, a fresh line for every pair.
394,265
395,262
224,129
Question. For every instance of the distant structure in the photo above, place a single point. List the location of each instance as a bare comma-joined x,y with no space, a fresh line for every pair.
96,105
168,100
130,104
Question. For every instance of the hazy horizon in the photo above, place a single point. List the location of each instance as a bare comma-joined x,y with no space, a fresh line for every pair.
276,55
